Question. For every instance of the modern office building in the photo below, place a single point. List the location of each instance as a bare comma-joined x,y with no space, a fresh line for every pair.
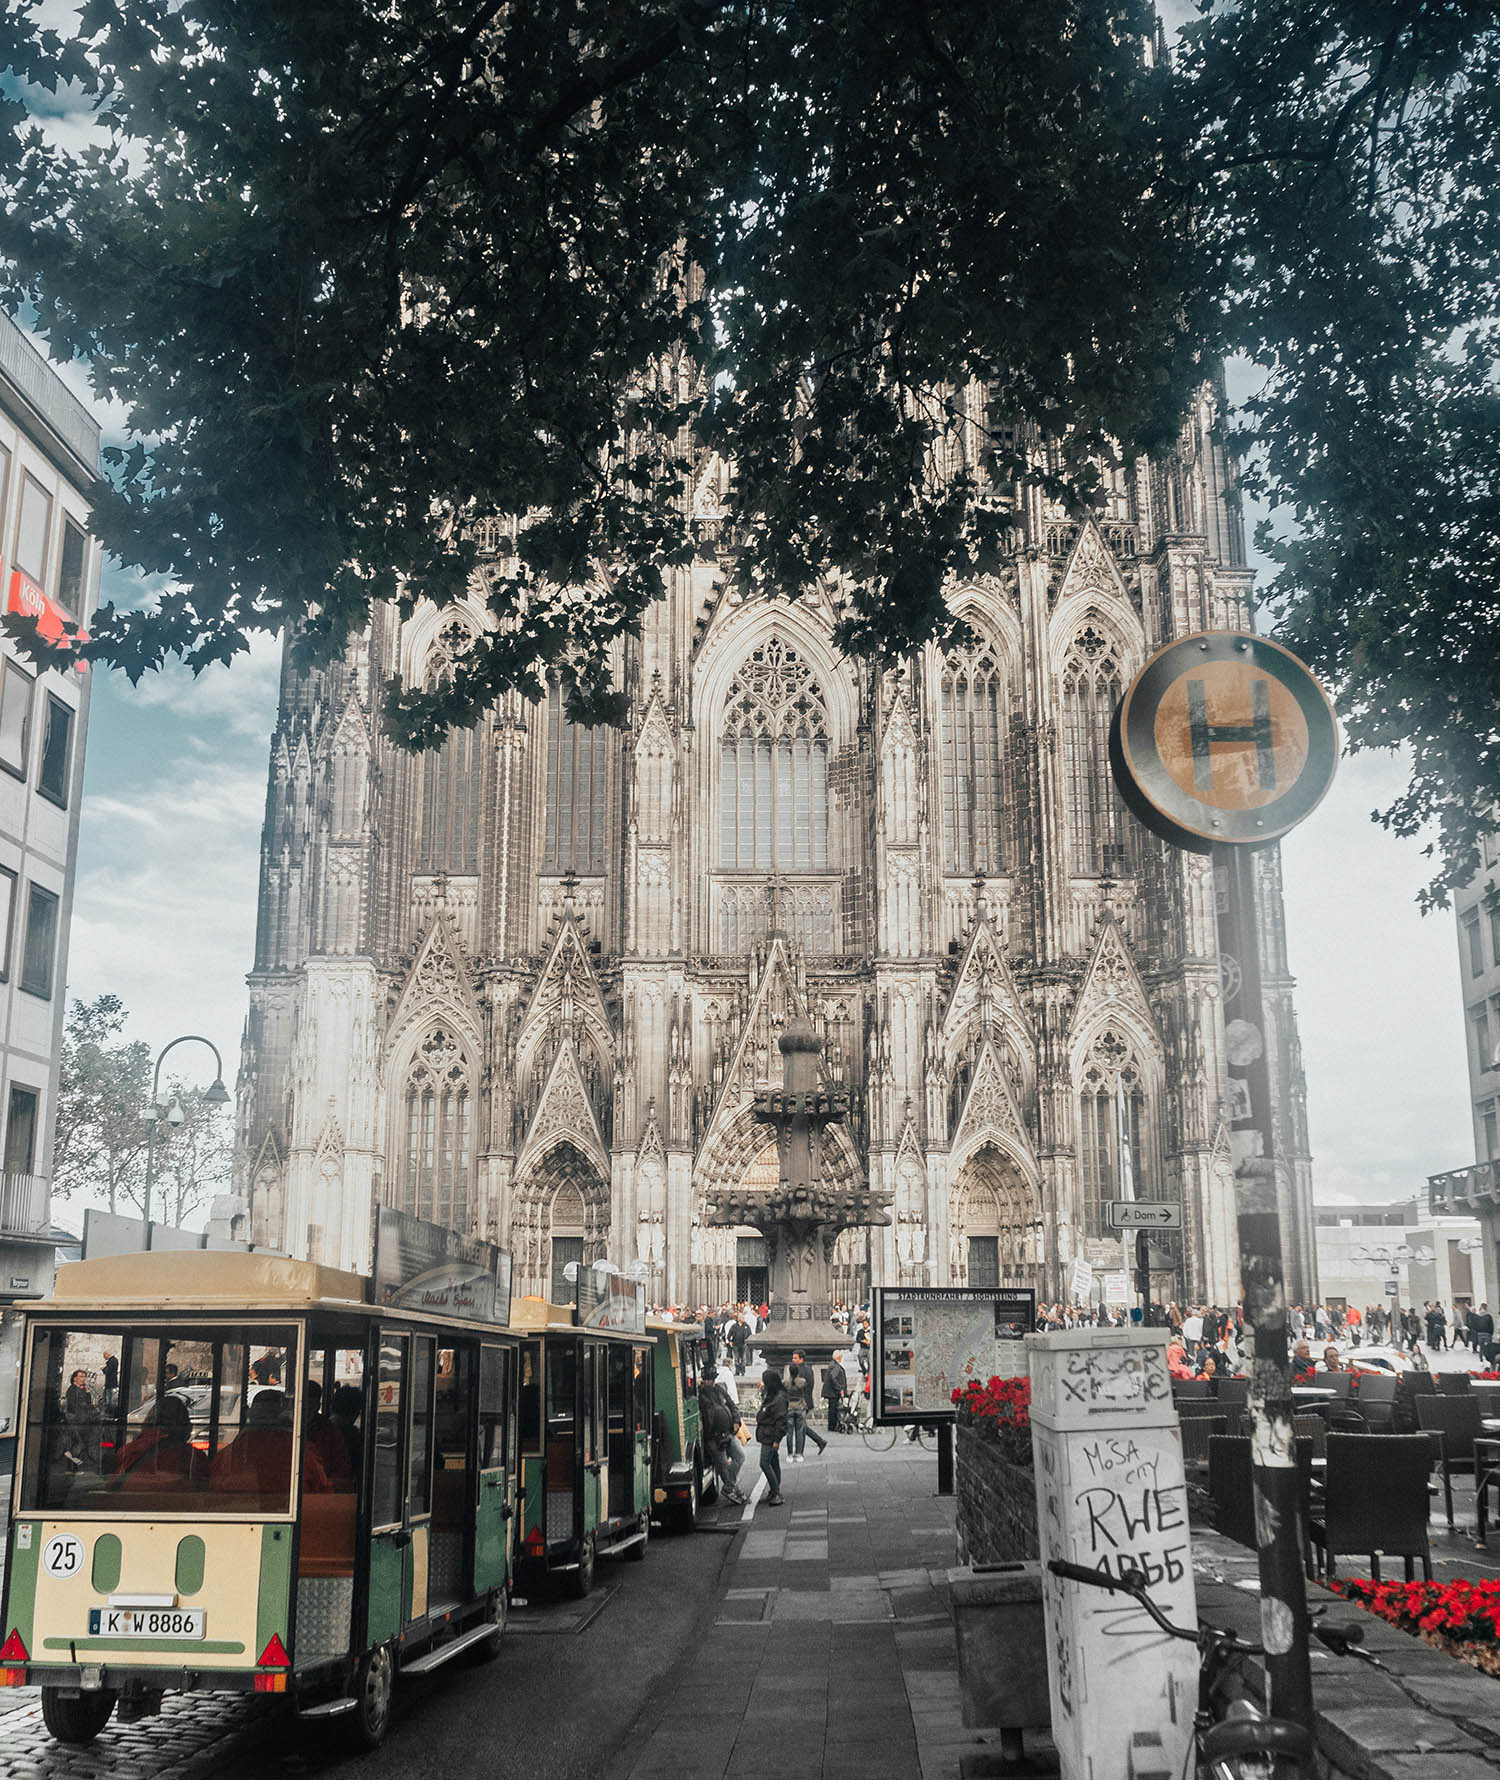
529,984
1475,1191
49,569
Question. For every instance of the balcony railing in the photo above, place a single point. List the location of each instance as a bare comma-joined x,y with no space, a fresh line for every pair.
1465,1190
25,1205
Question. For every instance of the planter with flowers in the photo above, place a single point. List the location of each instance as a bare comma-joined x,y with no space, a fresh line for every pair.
994,1482
1462,1618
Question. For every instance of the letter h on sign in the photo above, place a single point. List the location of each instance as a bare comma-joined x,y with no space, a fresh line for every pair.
1204,734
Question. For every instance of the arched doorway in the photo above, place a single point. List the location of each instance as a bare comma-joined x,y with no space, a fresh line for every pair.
998,1237
561,1215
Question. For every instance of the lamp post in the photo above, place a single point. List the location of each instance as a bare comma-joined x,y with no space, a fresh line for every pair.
217,1095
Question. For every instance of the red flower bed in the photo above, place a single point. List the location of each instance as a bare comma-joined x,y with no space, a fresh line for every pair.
1462,1618
998,1411
1002,1403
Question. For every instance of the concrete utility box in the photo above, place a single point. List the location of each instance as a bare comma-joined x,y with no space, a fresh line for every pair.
1111,1495
1002,1654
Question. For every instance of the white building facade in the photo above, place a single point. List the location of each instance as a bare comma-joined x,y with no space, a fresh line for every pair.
529,984
49,568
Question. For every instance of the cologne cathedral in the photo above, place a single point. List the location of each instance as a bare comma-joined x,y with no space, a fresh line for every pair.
527,985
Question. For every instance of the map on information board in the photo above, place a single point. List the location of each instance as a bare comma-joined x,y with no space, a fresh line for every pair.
929,1341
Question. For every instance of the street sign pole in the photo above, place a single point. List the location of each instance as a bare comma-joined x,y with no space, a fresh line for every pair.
1222,743
1283,1591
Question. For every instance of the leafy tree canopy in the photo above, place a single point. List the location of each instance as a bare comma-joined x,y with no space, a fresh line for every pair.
366,274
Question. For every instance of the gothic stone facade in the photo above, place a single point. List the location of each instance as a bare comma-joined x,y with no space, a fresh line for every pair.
528,985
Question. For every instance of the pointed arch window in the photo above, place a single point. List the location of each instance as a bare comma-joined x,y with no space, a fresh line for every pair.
973,719
1112,1149
577,764
1097,829
450,776
437,1153
773,784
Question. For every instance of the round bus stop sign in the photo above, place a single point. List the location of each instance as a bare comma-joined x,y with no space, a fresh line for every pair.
1223,736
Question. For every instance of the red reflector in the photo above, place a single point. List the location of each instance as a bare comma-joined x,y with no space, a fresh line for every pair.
270,1683
534,1540
12,1677
274,1655
13,1650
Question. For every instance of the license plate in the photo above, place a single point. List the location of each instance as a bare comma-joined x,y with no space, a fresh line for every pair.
146,1622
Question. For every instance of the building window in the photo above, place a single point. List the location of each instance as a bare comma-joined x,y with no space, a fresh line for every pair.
577,763
57,752
16,689
40,953
1096,817
8,882
70,568
1491,1134
984,1261
773,780
1479,1025
438,1144
32,529
973,763
1474,943
1492,908
20,1131
1112,1150
451,777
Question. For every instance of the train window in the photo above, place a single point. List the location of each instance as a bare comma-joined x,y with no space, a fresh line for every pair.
419,1488
494,1402
451,1409
642,1392
562,1387
530,1395
333,1412
173,1419
385,1505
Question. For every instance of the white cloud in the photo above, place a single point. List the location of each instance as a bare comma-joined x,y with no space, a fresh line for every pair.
235,697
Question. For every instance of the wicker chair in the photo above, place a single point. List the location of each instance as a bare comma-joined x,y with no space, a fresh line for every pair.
1197,1432
1376,1400
1454,1384
1379,1508
1453,1426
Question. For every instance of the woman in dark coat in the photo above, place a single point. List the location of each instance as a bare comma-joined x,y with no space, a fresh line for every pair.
770,1431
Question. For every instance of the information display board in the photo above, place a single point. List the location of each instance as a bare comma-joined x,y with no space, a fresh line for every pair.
421,1266
929,1341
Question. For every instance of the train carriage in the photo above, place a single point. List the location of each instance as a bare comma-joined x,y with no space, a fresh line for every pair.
293,1488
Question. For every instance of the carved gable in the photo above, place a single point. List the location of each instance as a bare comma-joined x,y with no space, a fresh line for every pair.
1092,568
1111,981
438,983
989,1112
564,1112
568,1003
756,1059
984,992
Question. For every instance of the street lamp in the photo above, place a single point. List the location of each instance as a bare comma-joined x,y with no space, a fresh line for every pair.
217,1095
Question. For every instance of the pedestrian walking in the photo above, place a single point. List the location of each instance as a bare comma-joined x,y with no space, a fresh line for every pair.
770,1431
739,1341
799,1392
718,1417
835,1384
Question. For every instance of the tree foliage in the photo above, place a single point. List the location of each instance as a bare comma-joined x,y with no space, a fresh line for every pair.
104,1083
366,275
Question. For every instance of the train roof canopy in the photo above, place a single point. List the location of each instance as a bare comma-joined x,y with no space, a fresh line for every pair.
207,1279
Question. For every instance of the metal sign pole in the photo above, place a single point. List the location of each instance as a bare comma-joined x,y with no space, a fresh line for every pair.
1278,1507
1222,743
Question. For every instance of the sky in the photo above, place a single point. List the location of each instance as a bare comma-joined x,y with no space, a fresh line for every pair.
164,911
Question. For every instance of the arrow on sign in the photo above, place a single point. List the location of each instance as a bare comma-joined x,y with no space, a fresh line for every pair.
1144,1214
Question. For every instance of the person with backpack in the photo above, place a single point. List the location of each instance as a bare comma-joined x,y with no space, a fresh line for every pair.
718,1417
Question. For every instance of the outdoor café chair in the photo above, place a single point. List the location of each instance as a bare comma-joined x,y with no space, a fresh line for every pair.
1197,1431
1454,1384
1376,1398
1231,1486
1453,1426
1375,1506
1185,1388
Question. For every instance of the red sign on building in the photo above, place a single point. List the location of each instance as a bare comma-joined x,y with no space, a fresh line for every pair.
51,620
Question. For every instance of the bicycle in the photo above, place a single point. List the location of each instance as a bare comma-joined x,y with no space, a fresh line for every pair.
881,1438
1235,1740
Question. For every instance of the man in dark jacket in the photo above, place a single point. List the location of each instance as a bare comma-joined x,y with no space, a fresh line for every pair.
835,1384
799,1394
1482,1333
739,1340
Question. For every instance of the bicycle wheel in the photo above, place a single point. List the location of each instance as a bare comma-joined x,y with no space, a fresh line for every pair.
878,1439
928,1437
